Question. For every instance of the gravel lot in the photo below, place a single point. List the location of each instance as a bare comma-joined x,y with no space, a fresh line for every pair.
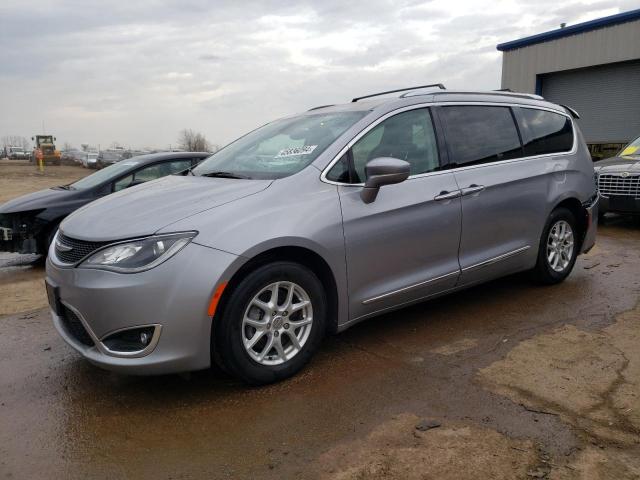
517,381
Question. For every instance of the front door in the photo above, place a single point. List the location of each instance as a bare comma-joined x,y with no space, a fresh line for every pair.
403,246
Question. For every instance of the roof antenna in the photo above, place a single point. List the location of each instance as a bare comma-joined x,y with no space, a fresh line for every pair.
562,25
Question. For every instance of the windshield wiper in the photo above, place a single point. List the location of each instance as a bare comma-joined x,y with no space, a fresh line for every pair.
225,175
65,187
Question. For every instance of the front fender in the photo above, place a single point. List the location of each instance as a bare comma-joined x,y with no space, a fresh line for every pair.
297,211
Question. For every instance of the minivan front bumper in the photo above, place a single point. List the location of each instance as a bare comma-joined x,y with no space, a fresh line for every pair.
172,298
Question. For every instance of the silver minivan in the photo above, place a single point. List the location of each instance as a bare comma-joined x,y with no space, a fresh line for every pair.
315,222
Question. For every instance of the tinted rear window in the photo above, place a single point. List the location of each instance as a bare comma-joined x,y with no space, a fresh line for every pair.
546,132
479,134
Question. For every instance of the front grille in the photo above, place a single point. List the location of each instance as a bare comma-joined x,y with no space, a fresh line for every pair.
616,185
79,248
74,327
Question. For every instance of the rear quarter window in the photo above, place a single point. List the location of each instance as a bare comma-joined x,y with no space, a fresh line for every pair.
478,134
545,132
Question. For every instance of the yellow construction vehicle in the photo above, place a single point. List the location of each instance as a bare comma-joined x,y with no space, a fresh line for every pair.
45,150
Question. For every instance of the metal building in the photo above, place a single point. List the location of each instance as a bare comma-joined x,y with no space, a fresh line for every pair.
593,67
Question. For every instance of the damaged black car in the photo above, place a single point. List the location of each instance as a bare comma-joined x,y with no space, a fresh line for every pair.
29,223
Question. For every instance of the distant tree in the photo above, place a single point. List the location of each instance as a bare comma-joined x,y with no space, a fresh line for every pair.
16,141
191,141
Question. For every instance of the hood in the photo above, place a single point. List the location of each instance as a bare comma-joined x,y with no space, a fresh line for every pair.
37,200
146,208
618,164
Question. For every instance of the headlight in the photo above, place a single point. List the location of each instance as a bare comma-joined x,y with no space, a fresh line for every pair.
138,255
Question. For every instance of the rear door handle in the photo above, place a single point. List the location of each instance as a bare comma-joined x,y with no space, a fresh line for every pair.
444,195
471,189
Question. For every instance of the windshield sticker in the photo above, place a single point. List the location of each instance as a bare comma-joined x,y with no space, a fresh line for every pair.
630,151
291,152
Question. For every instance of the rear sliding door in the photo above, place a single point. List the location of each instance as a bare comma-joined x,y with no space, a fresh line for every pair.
504,191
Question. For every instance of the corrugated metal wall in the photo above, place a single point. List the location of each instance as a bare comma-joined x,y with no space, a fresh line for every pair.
616,43
607,97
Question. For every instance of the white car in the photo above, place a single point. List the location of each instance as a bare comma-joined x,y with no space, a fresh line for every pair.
89,159
17,153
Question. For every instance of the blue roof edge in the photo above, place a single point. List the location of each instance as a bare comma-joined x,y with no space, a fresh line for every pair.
571,30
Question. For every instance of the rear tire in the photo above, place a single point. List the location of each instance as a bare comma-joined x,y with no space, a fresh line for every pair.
272,323
558,248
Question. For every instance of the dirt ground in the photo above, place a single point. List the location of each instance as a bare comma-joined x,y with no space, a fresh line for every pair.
507,380
18,177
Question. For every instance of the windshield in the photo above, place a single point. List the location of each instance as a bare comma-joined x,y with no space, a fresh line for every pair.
45,139
633,149
106,174
280,148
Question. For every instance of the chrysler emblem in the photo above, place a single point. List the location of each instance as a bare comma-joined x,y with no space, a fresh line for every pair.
63,248
624,174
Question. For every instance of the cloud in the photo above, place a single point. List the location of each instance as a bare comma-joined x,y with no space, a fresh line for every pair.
139,72
178,75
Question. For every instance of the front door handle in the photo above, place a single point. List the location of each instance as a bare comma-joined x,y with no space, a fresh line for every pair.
473,188
444,195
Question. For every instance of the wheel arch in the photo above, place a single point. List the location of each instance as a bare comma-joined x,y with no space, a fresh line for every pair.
574,205
294,253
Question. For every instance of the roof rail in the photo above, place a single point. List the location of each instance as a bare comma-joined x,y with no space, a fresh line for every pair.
496,92
439,85
321,106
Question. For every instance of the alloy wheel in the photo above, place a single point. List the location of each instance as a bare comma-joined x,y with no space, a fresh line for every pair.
277,323
560,246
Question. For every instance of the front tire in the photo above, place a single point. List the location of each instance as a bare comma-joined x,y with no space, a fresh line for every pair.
272,324
558,248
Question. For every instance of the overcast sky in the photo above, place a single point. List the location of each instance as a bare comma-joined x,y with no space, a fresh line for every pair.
139,71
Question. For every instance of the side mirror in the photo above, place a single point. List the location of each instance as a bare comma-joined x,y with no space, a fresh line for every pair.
383,171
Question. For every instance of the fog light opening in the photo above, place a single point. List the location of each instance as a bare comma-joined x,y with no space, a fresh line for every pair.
130,341
145,338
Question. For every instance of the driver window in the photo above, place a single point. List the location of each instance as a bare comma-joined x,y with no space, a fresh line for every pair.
152,172
407,136
362,150
122,183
